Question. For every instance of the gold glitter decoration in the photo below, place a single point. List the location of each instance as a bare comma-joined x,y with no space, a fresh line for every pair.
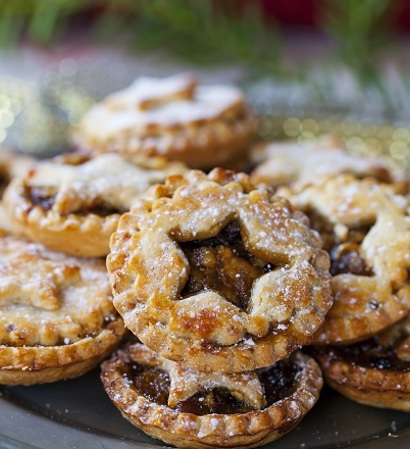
36,119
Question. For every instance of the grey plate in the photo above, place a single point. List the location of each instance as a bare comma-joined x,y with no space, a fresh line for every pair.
77,414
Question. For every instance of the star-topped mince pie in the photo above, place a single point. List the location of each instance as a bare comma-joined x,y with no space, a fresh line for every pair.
73,204
219,276
203,126
188,408
56,314
365,227
374,372
304,163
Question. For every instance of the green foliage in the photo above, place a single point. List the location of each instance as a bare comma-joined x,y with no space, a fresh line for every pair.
200,31
203,31
360,28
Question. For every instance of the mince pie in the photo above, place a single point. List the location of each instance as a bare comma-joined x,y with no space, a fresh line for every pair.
73,204
214,274
203,126
304,163
365,227
194,409
373,372
56,314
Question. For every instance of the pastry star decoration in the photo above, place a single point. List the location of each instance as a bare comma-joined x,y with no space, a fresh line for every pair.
149,93
185,382
107,181
33,281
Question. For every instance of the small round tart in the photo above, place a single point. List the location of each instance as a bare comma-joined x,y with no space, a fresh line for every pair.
365,227
73,204
306,162
189,408
374,372
56,314
214,274
203,126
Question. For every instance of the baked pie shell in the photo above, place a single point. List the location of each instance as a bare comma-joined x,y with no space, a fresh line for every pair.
250,429
42,364
199,145
370,386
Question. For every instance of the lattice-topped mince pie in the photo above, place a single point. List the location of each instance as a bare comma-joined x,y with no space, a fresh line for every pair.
365,227
56,314
203,126
304,163
189,408
219,276
374,372
73,204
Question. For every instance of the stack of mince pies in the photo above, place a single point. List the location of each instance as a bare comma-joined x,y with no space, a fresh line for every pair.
234,291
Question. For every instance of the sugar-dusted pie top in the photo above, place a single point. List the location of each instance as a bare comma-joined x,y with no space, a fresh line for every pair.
365,226
49,298
211,263
107,180
307,162
150,104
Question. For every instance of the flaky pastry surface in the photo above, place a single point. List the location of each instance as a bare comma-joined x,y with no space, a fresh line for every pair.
56,315
366,229
73,204
306,162
203,126
262,424
282,274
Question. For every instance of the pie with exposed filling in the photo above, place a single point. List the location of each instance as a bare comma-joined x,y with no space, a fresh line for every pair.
73,203
374,372
212,273
190,408
365,227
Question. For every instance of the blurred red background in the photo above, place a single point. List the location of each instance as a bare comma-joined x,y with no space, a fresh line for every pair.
306,12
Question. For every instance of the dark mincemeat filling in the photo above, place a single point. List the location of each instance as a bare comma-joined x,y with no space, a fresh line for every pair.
45,199
369,354
344,255
223,264
278,382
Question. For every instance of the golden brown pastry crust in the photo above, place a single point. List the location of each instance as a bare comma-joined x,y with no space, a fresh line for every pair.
368,302
148,271
202,126
12,165
306,162
379,385
73,204
210,430
56,315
